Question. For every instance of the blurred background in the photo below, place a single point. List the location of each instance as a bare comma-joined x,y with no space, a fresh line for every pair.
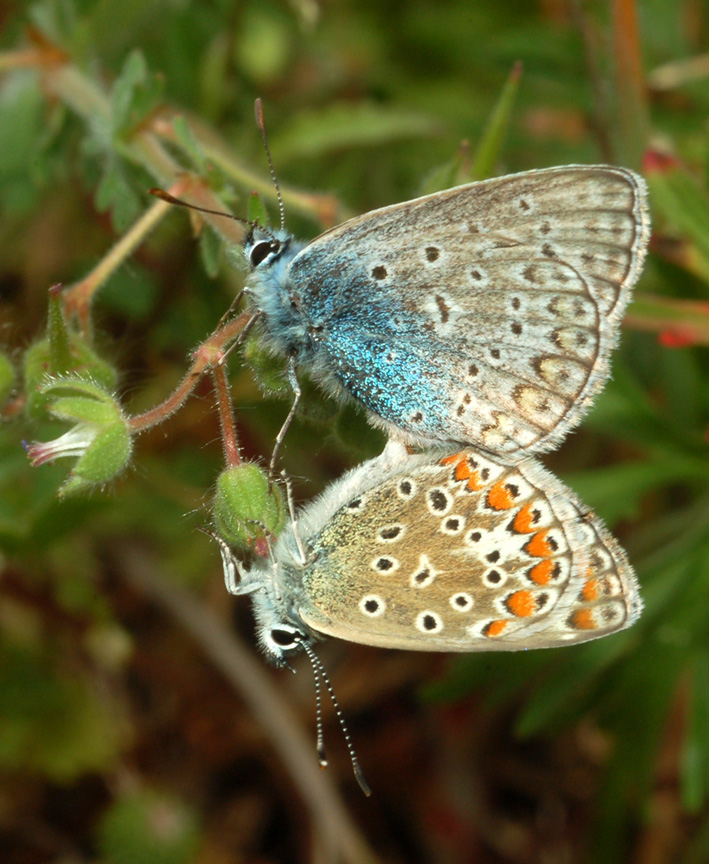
137,721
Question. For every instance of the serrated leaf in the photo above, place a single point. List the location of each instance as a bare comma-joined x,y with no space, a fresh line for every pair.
135,94
134,72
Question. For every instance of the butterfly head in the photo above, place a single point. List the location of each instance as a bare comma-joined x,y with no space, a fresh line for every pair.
279,629
262,248
281,641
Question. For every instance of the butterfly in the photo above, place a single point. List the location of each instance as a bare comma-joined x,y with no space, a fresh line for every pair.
483,314
430,552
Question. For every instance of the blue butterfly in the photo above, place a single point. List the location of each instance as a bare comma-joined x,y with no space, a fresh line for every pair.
483,314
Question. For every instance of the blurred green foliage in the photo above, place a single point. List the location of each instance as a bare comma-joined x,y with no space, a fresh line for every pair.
367,103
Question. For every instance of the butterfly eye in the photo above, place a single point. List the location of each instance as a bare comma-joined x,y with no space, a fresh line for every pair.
286,638
262,250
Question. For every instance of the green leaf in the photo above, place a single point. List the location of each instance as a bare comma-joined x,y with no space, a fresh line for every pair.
211,251
7,378
450,173
147,827
313,134
23,123
135,94
53,724
256,211
680,199
490,144
695,747
115,193
189,143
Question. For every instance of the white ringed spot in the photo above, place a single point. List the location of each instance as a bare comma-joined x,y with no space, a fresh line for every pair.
391,533
429,622
385,564
439,501
452,525
406,488
372,605
462,601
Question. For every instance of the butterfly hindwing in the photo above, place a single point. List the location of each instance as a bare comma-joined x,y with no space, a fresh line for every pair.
466,553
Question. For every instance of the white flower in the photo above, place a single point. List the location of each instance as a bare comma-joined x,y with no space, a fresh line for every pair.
75,442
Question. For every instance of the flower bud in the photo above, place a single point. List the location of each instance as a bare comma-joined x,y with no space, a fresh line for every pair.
61,353
247,508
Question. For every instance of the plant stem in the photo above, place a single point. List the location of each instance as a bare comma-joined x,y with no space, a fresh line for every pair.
207,356
232,455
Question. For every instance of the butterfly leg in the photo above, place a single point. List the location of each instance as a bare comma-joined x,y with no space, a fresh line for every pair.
232,573
293,517
297,393
241,337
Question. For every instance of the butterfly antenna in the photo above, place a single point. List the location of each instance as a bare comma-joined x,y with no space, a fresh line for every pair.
320,673
258,110
320,740
170,199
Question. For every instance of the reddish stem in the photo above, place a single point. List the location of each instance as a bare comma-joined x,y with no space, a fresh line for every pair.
232,456
207,356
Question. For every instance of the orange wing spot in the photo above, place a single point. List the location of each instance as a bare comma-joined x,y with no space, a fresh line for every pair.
539,546
462,470
455,457
475,483
500,497
523,520
590,590
494,628
521,603
583,619
541,573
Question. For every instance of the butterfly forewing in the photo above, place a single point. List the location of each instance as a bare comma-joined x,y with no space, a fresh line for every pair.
466,553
